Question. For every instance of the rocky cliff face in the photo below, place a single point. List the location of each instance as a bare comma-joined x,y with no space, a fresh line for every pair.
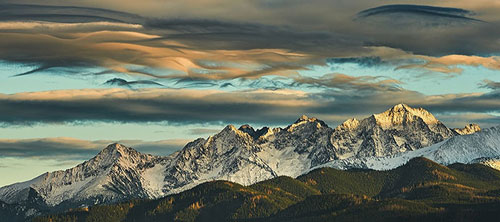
116,173
396,130
482,147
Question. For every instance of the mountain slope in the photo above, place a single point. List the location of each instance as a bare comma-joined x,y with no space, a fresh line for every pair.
480,147
116,173
421,189
396,130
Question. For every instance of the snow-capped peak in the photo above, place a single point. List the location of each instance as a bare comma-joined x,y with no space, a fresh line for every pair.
248,130
302,118
401,113
255,134
114,153
349,124
305,120
230,130
468,129
117,149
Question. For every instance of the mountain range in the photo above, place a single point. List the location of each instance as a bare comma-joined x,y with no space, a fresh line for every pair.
420,190
247,156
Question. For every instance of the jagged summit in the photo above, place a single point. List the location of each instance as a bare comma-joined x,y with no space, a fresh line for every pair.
245,128
230,127
117,172
398,129
402,113
349,124
109,155
113,153
255,134
116,148
468,129
304,118
231,131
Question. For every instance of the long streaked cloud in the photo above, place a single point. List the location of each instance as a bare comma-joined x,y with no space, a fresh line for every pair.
450,63
402,16
76,149
238,107
485,120
150,105
131,84
400,60
145,55
346,82
68,14
490,84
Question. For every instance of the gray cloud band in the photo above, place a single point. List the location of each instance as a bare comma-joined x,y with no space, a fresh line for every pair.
192,106
75,149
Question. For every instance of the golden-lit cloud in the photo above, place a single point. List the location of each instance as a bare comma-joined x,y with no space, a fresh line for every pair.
55,27
451,63
182,106
131,52
152,105
220,44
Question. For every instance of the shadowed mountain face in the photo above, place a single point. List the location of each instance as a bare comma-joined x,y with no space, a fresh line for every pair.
396,130
245,156
421,189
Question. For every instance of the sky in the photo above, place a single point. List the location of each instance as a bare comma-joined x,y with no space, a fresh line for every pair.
76,75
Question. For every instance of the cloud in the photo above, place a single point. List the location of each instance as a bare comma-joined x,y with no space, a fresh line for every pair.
403,16
215,34
490,84
340,104
431,30
389,57
130,84
345,82
370,61
68,14
141,54
461,119
151,105
218,46
42,37
267,107
207,47
450,63
64,29
203,131
76,149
